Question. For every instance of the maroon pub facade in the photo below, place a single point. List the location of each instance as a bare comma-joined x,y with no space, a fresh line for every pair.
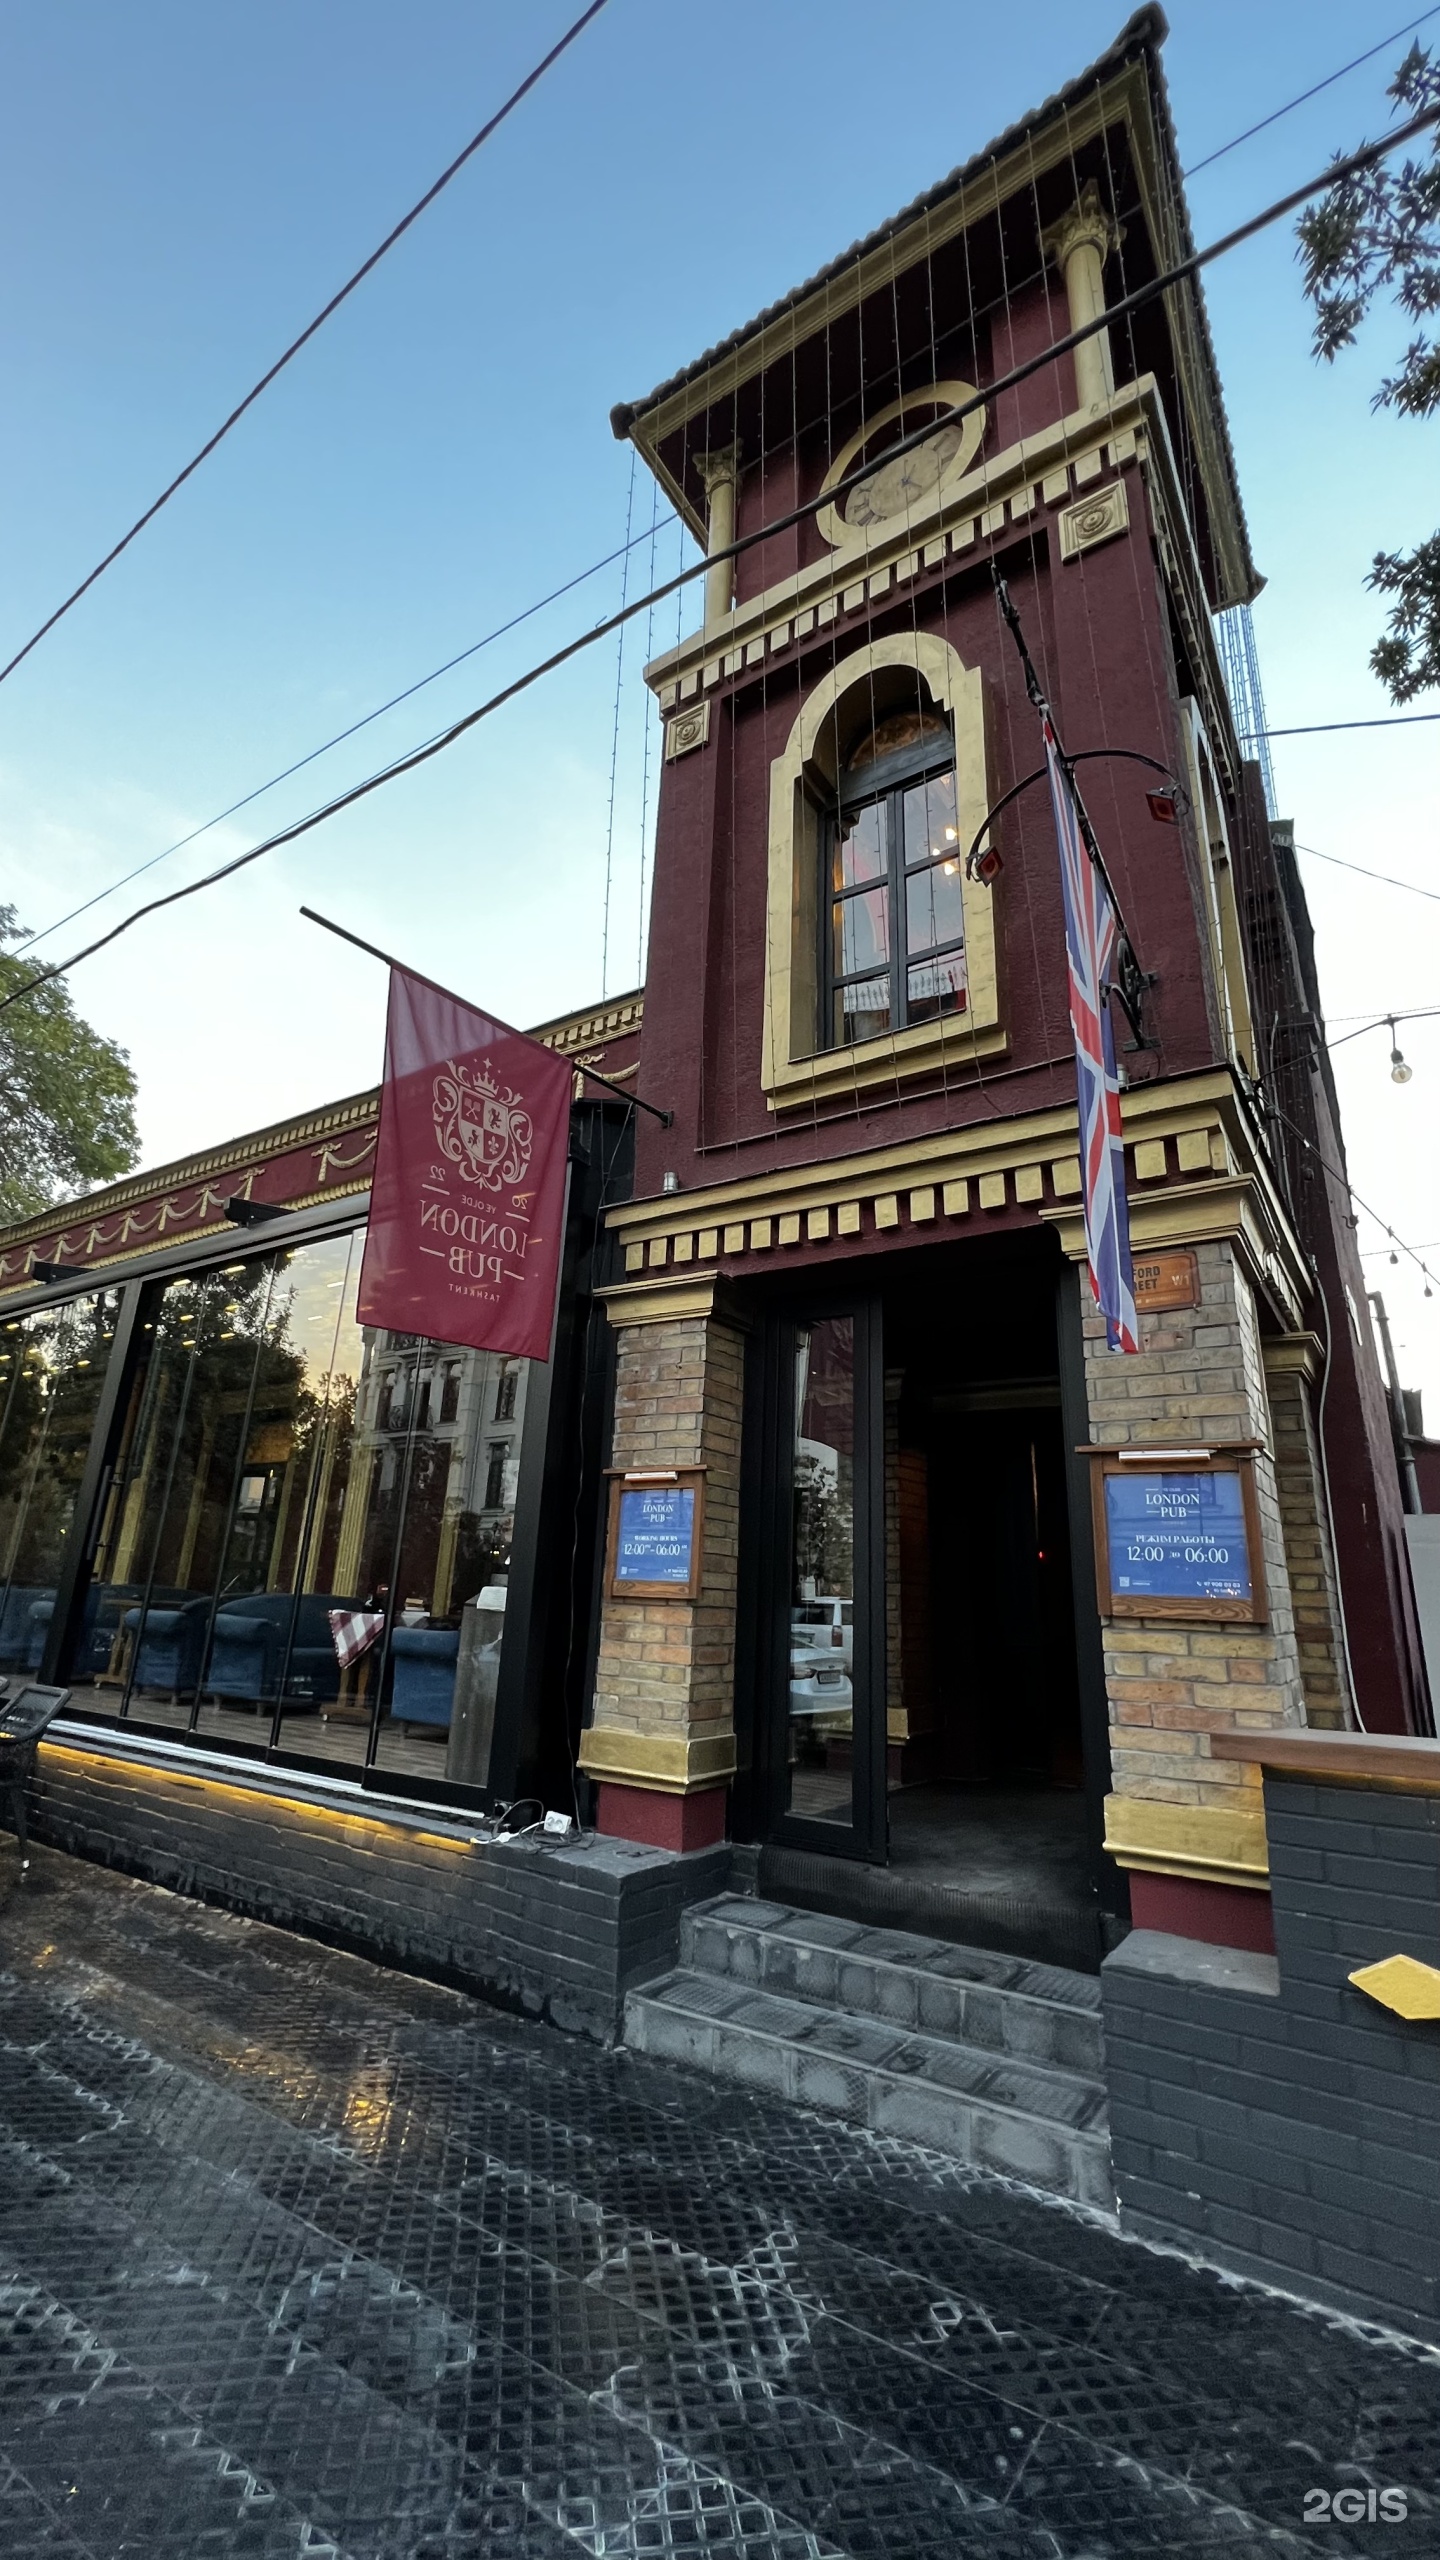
823,1556
854,1297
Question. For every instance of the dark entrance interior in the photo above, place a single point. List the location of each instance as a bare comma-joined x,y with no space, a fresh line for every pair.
984,1752
986,1668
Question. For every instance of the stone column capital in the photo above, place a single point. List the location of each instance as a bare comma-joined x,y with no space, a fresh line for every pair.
1087,225
719,469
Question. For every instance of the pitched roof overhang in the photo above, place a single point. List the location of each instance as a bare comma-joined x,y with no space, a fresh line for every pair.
1125,83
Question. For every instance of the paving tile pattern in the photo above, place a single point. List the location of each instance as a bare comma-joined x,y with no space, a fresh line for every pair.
300,2260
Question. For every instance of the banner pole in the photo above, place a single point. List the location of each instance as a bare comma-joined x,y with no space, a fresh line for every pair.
665,1118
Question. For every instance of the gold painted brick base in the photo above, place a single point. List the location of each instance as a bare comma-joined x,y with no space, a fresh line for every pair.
672,1764
1209,1843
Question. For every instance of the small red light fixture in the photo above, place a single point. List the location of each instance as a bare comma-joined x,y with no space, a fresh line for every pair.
988,865
1161,805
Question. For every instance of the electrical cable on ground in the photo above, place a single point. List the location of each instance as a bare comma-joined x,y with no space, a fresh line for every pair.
306,334
501,628
830,497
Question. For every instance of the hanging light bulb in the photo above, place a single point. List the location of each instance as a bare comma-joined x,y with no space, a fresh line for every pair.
1400,1069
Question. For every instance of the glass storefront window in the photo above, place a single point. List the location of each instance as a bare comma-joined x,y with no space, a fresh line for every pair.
52,1370
822,1607
306,1546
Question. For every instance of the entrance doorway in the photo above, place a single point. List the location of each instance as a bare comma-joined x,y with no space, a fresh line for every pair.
929,1723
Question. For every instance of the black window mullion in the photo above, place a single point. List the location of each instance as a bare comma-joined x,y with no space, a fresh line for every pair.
899,957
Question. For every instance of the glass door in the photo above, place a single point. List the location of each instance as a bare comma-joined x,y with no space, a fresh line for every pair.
826,1649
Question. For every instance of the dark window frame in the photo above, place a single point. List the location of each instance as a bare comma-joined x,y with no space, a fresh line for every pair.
882,784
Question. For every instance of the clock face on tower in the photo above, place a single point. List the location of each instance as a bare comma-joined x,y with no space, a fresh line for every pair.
912,479
909,488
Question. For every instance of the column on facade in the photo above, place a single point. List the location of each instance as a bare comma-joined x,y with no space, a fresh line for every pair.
1292,1362
1080,242
720,472
1191,1829
661,1745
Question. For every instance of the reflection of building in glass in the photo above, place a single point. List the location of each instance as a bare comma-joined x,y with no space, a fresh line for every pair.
430,1409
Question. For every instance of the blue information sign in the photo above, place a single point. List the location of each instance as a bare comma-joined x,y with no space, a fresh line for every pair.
1177,1537
655,1536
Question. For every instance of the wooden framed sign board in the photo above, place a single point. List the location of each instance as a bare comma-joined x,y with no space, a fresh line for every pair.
656,1534
1177,1535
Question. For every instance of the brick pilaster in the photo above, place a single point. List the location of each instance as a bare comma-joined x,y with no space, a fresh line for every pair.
1291,1361
1199,1377
665,1675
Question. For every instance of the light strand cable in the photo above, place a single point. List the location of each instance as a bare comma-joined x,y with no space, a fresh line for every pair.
528,614
1377,1022
306,334
1347,1186
1143,294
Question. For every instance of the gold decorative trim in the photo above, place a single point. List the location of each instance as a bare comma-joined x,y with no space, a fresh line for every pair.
256,1148
838,530
1208,1843
1124,98
1292,1354
791,1069
670,1764
1094,519
1027,1164
685,730
1021,483
665,1301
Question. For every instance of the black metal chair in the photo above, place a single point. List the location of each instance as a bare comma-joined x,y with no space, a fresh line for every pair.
24,1714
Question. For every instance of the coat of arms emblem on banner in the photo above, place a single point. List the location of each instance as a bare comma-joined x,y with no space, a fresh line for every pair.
481,1126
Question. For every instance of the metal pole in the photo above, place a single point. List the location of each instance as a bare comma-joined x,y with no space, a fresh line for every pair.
1409,1480
665,1118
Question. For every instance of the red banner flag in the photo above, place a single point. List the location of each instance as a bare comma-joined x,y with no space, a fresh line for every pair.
467,1206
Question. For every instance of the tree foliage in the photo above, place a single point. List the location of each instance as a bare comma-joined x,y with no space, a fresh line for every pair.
1374,233
67,1097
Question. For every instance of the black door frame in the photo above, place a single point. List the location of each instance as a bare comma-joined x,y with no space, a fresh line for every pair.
763,1664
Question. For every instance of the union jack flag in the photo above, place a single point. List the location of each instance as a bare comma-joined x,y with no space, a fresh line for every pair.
1091,940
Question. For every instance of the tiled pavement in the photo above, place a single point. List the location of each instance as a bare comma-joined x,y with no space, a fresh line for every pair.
302,2258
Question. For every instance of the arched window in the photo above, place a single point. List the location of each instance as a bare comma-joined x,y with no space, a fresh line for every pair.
891,909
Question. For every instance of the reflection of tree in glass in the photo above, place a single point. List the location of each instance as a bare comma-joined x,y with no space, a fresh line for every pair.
51,1369
824,1525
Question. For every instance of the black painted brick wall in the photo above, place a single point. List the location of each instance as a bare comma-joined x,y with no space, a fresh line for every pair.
1267,2106
559,1930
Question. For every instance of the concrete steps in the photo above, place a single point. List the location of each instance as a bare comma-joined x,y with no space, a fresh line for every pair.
990,2058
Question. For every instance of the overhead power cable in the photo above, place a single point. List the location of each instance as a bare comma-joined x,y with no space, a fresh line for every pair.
28,941
1386,879
306,334
1306,94
830,497
1319,728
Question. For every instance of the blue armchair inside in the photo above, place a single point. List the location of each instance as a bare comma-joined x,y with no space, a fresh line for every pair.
105,1607
248,1648
423,1687
167,1646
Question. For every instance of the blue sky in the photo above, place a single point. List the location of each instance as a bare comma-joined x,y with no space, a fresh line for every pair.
182,189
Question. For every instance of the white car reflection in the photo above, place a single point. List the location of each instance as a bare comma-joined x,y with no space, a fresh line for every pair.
822,1648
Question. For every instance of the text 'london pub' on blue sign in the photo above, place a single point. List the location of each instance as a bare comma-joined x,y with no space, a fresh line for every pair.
655,1536
1177,1537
